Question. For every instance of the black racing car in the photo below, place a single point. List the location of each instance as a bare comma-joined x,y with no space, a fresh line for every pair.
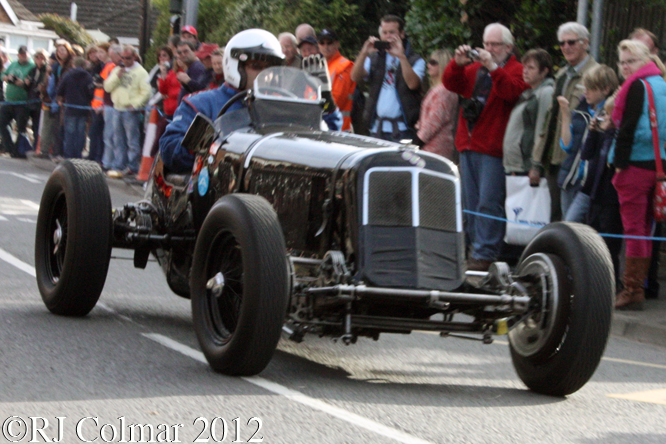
283,227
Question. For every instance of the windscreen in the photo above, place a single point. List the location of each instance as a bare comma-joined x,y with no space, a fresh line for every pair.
287,84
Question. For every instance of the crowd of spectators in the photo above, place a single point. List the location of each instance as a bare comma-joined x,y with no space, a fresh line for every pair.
580,130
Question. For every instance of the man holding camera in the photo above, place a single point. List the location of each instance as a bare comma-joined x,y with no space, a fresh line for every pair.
394,74
16,91
490,80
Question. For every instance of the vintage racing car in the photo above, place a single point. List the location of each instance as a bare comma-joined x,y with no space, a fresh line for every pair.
284,228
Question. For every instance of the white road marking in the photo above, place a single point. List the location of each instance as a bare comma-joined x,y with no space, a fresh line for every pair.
652,396
18,263
12,206
621,361
31,204
295,396
22,176
655,396
3,218
626,361
26,219
114,312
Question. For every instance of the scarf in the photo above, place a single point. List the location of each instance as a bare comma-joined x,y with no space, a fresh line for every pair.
647,70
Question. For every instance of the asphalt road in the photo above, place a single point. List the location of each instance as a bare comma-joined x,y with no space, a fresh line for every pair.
132,366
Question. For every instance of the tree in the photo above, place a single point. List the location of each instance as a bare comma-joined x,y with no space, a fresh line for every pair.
434,25
71,31
449,23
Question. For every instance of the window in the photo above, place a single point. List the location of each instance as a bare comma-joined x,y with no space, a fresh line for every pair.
17,40
39,44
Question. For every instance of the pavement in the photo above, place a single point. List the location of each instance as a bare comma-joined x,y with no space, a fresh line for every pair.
119,184
648,326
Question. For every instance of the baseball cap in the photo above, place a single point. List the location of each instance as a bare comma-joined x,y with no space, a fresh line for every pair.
189,29
327,34
309,39
205,50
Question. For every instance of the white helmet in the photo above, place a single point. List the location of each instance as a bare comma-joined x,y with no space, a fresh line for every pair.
251,44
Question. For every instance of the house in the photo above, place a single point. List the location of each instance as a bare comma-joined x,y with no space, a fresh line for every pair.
19,26
115,18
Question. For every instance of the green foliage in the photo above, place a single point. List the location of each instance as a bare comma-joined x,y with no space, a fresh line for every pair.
449,23
536,21
67,29
219,20
437,25
161,32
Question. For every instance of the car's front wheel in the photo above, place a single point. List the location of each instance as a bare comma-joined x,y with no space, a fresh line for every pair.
239,284
73,238
568,271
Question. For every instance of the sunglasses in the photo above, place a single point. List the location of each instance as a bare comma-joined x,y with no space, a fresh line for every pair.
433,62
127,58
569,42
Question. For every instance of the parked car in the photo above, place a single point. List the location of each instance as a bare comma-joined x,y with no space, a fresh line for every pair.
282,228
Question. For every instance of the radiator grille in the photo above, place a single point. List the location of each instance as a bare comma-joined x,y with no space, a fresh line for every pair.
390,198
437,207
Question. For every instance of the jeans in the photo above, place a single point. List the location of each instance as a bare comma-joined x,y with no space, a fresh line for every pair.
483,191
75,136
109,137
579,208
566,199
126,152
7,114
96,135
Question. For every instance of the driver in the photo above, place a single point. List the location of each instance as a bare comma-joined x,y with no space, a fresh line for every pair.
247,54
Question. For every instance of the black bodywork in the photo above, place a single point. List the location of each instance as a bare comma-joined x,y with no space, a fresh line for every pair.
372,237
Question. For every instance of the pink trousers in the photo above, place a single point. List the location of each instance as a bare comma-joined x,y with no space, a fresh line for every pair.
635,188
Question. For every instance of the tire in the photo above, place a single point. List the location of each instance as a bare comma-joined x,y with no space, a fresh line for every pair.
239,323
571,337
73,238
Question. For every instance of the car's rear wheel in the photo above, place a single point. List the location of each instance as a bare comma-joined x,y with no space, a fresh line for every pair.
239,284
73,238
568,271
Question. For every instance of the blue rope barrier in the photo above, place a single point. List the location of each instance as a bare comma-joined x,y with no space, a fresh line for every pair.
21,102
619,236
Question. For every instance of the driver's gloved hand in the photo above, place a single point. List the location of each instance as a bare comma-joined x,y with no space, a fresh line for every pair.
316,66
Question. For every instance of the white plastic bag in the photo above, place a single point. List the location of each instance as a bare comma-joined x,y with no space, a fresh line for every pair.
527,209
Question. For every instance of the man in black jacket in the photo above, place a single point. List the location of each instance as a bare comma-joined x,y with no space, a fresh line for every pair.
75,92
192,74
394,74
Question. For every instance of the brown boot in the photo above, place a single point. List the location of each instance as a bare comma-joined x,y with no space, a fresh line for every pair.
633,295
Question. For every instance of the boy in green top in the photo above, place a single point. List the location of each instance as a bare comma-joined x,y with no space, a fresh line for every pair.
15,91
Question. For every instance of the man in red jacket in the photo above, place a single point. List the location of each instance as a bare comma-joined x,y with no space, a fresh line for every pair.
490,80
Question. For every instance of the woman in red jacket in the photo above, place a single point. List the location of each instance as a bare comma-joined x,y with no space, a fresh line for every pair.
167,83
169,86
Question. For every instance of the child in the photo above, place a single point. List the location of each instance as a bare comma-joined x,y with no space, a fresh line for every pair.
599,83
604,212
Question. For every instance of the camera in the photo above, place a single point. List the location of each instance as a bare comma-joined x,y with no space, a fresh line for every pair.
473,54
471,109
382,45
98,80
